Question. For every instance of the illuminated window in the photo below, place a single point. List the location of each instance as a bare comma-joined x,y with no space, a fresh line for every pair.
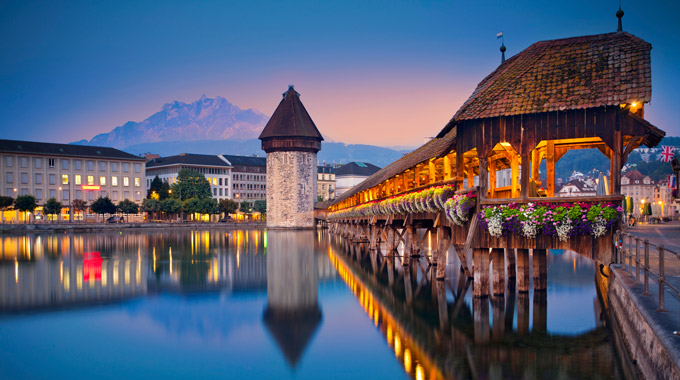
214,181
102,180
114,180
138,182
78,179
90,180
126,181
64,179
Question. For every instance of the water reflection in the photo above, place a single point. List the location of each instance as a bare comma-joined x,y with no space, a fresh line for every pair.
438,331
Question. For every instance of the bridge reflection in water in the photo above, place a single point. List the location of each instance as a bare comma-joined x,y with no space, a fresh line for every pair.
437,330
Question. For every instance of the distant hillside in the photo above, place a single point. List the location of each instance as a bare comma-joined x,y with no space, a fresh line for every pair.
331,152
203,119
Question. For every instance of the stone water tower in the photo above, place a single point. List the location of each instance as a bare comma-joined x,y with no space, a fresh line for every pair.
291,141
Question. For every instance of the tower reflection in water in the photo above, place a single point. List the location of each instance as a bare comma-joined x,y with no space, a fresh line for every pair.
438,331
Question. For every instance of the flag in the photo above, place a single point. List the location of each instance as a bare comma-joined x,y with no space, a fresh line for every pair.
499,35
671,180
667,153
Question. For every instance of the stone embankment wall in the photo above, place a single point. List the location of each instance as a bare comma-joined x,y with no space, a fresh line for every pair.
648,337
291,189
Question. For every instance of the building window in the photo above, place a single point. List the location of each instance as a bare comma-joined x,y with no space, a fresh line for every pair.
78,179
10,177
53,193
90,195
126,181
126,195
138,196
64,164
37,163
9,161
138,182
90,165
77,164
53,180
102,166
114,166
65,195
214,191
79,194
64,179
114,195
114,181
38,178
220,192
24,162
38,193
50,162
90,180
102,180
138,168
9,192
126,167
24,191
102,194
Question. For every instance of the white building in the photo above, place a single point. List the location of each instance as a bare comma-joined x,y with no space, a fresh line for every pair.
249,177
215,168
577,188
349,175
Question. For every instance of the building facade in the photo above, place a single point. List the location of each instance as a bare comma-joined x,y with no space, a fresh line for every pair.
215,168
325,183
67,172
249,177
291,141
349,175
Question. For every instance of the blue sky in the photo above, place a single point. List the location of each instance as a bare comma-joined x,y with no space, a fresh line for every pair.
376,72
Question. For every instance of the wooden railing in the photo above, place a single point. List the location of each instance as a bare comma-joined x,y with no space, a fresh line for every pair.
632,255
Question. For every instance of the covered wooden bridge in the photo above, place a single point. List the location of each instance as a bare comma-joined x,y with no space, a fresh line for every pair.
553,97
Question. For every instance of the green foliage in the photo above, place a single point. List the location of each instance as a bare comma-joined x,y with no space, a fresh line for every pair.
191,184
260,206
6,202
52,206
160,188
79,205
25,203
246,206
103,206
151,205
656,170
192,206
582,160
228,206
127,206
209,206
171,206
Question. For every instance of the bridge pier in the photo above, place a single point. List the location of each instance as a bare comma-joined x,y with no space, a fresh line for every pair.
540,267
498,264
522,270
480,287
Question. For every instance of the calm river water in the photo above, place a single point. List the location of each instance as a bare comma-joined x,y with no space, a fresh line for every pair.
275,305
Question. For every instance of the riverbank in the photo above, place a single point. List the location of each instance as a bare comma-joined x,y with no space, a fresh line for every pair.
89,227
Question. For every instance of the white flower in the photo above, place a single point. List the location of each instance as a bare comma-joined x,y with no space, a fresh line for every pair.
564,229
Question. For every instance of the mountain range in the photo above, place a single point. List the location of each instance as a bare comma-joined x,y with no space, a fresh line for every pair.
216,126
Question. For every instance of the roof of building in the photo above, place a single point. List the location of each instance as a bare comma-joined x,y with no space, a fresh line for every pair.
356,169
33,147
290,119
188,159
634,175
325,169
570,73
582,186
246,160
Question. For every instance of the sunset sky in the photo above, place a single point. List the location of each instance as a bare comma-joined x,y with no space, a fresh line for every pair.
375,72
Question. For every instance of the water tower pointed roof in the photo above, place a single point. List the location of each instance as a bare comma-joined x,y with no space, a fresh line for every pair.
290,119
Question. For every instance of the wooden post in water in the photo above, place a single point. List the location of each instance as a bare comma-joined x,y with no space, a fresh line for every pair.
480,286
523,270
540,311
498,314
510,264
540,269
522,313
444,237
498,263
480,313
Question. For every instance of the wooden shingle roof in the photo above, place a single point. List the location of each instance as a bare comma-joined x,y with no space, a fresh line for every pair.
571,73
290,119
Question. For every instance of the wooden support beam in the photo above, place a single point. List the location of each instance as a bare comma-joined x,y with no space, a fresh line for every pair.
471,176
483,177
460,172
448,170
510,264
498,264
616,163
492,179
550,168
480,257
522,270
524,180
535,164
432,172
540,267
514,168
444,237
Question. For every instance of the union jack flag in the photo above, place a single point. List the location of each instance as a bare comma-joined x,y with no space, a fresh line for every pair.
667,153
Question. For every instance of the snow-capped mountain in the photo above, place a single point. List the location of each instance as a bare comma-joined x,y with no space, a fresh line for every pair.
204,119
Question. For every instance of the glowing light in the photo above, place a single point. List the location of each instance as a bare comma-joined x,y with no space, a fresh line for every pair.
104,275
420,372
127,272
16,271
397,346
407,360
91,187
115,273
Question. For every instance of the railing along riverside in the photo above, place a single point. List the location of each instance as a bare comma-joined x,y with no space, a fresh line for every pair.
633,255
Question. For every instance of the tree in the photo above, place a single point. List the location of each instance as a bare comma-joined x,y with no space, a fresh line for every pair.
103,206
25,203
192,206
151,206
228,206
260,206
127,206
79,205
191,184
52,207
209,206
246,206
171,206
160,188
6,202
